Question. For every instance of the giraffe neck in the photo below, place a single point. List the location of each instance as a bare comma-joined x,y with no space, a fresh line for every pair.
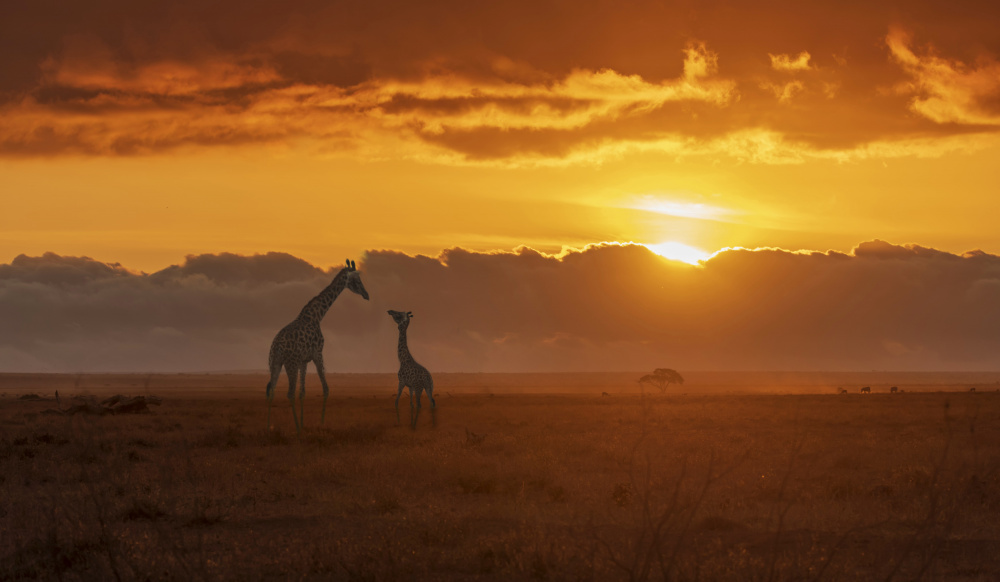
316,309
402,350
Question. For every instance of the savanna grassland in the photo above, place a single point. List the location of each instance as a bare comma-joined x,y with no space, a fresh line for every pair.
687,485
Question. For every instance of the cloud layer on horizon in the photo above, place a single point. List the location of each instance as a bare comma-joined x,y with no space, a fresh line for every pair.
460,82
605,307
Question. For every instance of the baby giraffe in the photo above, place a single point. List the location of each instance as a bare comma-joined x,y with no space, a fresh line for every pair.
411,374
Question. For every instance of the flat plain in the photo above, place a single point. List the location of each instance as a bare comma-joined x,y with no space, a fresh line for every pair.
512,477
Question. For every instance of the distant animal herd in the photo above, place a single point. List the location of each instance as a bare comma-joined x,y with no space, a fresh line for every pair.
892,390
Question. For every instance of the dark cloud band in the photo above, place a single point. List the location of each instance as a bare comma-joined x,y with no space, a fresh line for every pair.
607,307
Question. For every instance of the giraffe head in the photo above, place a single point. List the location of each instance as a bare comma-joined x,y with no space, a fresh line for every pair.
402,319
354,280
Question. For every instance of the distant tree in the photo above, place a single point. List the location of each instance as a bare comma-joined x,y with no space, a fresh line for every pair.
662,378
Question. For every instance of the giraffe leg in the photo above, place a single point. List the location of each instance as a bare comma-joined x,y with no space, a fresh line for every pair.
416,415
412,421
302,395
271,385
430,396
318,361
293,376
398,394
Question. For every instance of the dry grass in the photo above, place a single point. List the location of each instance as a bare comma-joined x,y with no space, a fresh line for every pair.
560,487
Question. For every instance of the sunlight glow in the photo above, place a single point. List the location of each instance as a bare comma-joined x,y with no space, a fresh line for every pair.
654,203
676,251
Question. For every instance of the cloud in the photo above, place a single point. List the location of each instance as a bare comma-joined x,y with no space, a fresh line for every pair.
577,100
88,104
80,311
52,269
603,307
465,83
947,90
231,269
785,91
787,64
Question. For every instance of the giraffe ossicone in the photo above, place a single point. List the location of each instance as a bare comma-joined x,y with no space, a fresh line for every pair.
411,374
301,342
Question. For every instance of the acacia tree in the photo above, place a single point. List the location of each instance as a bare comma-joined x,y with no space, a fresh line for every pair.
662,378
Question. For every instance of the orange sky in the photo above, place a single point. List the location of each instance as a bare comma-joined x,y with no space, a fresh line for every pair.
143,134
188,140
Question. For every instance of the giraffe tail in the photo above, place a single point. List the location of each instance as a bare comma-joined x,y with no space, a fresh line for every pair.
272,383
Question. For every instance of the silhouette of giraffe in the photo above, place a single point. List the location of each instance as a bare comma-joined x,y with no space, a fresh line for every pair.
301,341
411,374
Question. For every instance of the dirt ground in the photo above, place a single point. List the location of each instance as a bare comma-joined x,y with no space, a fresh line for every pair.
497,485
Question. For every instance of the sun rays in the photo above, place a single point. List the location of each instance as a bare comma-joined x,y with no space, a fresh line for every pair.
677,251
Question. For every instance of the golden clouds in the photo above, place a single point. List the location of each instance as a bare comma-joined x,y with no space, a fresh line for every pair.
91,106
787,64
460,83
86,64
947,90
700,62
785,92
583,97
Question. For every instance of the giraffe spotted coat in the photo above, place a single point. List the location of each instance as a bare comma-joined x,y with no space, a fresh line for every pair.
411,374
301,342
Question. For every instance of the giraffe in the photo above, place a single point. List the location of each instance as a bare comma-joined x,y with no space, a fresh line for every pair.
301,341
411,374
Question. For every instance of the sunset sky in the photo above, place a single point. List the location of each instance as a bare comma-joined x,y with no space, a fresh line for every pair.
149,134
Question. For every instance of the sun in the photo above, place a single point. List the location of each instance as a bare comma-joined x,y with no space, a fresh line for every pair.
676,251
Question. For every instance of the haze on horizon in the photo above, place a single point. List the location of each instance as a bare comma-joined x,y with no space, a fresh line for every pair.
475,157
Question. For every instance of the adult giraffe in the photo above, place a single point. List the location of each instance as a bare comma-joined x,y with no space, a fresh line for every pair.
301,342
